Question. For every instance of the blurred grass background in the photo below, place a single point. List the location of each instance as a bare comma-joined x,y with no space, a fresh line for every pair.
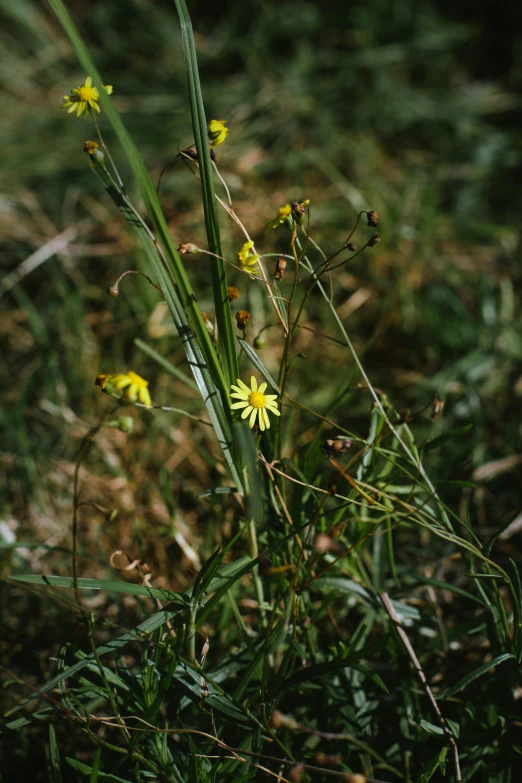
410,109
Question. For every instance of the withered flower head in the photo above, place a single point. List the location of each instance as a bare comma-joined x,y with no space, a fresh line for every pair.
232,293
374,240
351,246
242,318
299,208
337,445
438,405
373,218
280,269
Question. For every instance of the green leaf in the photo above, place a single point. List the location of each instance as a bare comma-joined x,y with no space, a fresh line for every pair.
258,364
54,757
199,124
84,769
446,436
104,584
309,673
168,366
446,694
95,767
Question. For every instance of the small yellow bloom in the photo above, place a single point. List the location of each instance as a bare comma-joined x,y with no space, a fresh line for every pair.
217,132
283,214
84,98
135,387
255,403
247,261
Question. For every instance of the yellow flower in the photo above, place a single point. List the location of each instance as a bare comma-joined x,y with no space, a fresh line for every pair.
247,262
217,132
255,402
84,98
283,214
135,386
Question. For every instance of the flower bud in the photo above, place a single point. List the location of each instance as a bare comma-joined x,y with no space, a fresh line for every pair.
242,318
374,240
259,341
280,269
114,290
125,424
93,150
281,721
232,293
337,445
373,218
189,248
208,323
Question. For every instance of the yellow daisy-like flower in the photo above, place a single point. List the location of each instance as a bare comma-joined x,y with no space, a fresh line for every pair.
283,214
84,98
136,387
217,132
247,261
255,403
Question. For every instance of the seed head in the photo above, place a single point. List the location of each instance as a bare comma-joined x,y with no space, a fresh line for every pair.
374,240
373,218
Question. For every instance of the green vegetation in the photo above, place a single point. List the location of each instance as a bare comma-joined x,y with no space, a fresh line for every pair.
185,597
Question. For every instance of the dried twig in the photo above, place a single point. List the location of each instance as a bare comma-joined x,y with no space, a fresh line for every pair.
411,652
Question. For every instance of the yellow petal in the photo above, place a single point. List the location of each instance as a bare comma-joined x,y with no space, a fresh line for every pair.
252,419
262,387
247,412
88,82
144,396
236,405
253,383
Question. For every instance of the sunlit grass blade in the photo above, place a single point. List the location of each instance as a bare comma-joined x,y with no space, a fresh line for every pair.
199,123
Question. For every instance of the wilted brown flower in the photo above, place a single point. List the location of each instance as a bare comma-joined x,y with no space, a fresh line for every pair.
232,293
374,240
351,246
373,218
242,318
280,269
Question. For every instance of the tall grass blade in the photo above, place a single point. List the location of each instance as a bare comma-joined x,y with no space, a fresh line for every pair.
199,123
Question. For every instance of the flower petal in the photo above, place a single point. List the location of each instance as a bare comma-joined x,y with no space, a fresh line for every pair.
240,396
271,397
144,396
237,405
247,412
252,419
243,386
267,420
273,410
261,420
88,82
262,387
253,383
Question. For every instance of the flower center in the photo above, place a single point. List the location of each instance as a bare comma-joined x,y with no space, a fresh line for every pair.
257,399
86,93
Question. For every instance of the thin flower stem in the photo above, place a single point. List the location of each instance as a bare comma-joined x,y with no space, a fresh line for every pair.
105,147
